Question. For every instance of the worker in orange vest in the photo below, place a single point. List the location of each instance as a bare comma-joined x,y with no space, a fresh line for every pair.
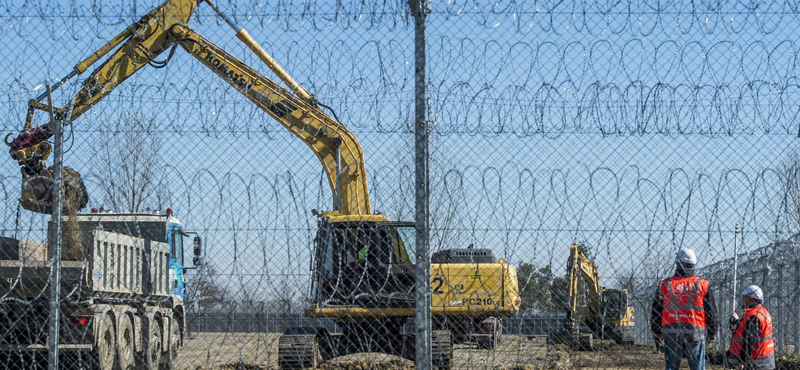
684,315
752,344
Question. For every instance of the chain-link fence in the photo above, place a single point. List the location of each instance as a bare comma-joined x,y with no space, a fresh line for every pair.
254,185
774,268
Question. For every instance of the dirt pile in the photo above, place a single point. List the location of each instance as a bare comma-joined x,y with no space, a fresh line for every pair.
784,361
557,357
787,362
395,364
518,367
240,366
73,250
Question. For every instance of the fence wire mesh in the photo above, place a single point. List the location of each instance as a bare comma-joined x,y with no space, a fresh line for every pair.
575,148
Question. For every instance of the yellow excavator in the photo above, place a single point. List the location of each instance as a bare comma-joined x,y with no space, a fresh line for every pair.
363,263
592,310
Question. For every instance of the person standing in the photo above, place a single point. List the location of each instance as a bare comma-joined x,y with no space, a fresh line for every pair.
752,343
684,315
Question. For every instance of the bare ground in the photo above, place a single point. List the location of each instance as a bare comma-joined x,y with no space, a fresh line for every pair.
218,351
254,351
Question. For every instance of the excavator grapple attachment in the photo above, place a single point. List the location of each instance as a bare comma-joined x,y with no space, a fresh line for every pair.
37,195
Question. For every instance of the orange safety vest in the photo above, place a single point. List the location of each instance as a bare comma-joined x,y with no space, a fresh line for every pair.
683,314
763,355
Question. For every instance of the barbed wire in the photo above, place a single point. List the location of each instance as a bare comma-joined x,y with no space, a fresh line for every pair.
598,205
596,18
667,88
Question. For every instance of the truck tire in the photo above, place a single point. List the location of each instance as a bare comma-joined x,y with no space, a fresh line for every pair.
125,341
498,333
168,361
153,349
105,353
491,340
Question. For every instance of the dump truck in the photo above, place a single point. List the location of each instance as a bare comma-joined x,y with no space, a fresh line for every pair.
122,293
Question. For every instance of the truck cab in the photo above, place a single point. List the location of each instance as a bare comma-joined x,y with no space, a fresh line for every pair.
176,238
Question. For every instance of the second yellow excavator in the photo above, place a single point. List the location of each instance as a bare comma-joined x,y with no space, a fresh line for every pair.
363,263
592,310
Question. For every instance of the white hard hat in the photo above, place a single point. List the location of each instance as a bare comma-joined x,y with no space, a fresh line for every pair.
686,255
753,292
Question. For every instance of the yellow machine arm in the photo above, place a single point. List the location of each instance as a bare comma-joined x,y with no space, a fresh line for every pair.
334,145
606,313
580,267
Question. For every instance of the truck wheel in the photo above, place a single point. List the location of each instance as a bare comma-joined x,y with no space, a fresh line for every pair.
153,350
168,362
491,340
106,351
126,346
498,333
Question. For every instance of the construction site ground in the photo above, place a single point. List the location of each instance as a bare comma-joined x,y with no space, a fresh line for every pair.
254,351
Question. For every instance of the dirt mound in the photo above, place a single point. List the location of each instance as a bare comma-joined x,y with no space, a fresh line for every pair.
240,366
787,362
365,365
784,361
518,367
557,358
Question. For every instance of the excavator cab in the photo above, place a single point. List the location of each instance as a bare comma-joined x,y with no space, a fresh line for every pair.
364,263
615,304
618,316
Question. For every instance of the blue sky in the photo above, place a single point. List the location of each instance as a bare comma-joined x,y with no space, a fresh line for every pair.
637,132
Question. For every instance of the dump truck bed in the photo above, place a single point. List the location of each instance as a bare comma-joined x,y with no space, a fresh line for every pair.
114,265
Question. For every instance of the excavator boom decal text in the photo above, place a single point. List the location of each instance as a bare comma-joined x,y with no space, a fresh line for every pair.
235,78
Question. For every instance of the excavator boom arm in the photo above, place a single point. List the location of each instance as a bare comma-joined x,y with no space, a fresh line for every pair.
330,140
580,268
335,146
141,42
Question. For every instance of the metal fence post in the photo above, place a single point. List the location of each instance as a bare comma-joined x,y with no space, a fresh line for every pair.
780,344
422,320
55,237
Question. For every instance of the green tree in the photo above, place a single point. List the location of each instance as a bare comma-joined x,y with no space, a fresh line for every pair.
539,289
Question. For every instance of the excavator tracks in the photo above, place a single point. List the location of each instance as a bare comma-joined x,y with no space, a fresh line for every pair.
442,349
298,348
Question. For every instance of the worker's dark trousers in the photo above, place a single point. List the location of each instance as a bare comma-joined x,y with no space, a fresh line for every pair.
695,353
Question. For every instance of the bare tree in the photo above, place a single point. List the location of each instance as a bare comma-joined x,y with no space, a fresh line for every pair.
204,294
444,195
127,165
658,264
627,280
284,303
